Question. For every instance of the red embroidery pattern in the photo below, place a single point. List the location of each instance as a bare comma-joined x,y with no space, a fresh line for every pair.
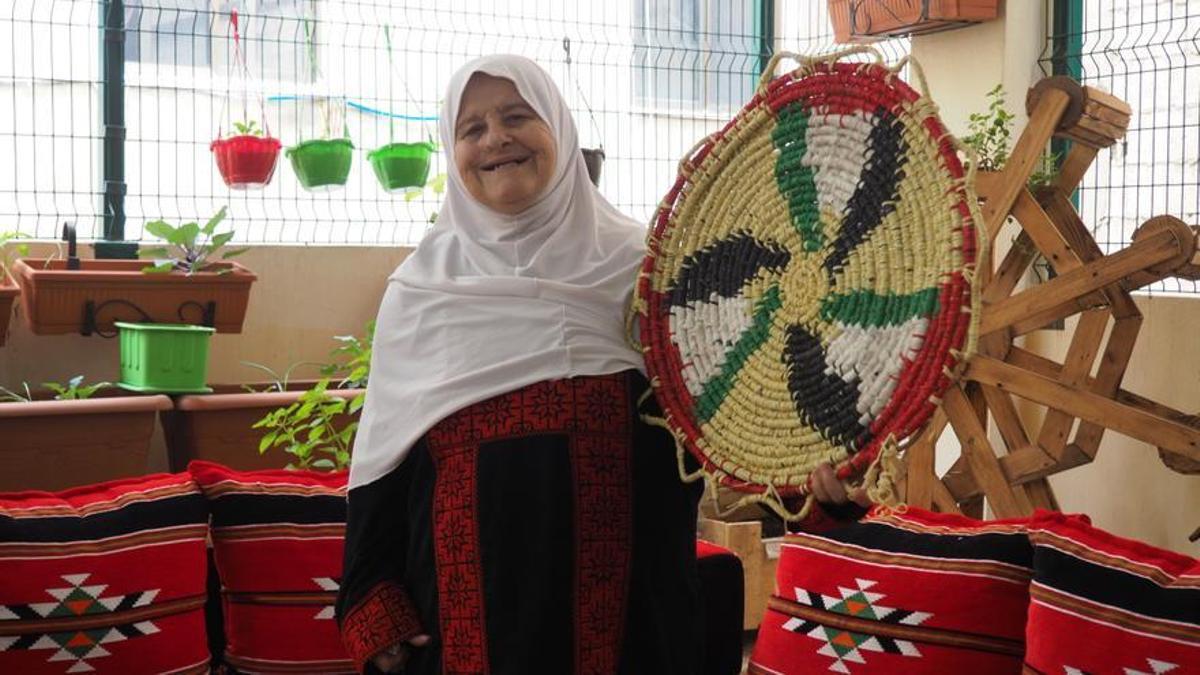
382,618
596,412
603,533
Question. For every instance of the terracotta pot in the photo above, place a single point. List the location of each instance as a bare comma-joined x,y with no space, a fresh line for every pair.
218,427
56,299
8,296
53,445
857,21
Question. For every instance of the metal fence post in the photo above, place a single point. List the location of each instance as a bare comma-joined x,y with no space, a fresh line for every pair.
112,73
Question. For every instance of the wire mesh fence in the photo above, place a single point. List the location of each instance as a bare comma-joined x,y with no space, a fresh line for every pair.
645,78
1144,52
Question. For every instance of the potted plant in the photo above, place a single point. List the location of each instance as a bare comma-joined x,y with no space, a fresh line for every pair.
164,358
401,166
870,20
8,287
323,163
224,426
594,158
246,159
73,434
184,285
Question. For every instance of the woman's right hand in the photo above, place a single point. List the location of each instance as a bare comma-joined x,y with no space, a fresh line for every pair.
394,658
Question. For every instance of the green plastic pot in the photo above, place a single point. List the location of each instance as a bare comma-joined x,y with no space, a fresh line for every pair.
164,358
322,164
401,165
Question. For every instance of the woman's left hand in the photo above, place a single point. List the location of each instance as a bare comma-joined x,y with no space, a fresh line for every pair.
829,490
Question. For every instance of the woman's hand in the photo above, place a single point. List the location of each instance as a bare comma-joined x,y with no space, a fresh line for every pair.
829,490
394,658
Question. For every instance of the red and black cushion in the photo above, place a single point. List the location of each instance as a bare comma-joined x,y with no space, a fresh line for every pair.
900,592
1104,604
104,578
278,538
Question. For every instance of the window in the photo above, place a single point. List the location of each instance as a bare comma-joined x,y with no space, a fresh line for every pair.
198,34
695,54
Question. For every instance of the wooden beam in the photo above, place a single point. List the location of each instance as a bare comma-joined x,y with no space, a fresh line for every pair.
1080,402
1005,502
919,462
1085,344
1117,352
1074,166
1065,288
1026,154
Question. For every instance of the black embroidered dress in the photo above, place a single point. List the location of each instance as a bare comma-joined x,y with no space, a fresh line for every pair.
541,531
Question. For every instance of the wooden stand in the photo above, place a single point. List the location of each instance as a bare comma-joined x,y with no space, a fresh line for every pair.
1087,283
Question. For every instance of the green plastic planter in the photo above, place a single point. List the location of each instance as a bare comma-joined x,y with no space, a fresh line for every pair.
164,358
322,164
399,166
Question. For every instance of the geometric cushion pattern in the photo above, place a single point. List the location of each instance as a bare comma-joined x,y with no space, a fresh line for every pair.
1104,604
277,538
900,592
106,578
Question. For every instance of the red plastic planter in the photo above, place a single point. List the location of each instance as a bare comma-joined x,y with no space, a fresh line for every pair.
246,161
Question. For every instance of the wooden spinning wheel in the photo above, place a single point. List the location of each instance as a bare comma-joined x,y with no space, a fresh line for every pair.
1090,284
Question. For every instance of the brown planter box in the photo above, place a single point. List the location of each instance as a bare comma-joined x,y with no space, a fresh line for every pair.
55,298
218,427
52,445
871,20
8,295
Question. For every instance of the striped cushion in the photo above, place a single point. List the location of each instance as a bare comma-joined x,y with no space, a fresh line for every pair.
278,540
900,592
1103,604
105,578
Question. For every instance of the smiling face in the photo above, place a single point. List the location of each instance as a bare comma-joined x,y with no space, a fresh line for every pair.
504,152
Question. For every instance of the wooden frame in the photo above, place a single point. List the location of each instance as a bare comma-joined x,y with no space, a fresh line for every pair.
1087,283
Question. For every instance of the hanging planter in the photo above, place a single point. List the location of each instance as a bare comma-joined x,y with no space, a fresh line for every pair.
400,166
246,162
163,358
594,158
871,20
322,164
247,158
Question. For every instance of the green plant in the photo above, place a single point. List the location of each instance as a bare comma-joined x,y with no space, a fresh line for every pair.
991,132
356,353
247,128
991,135
9,254
73,390
435,185
1045,172
306,430
279,381
191,246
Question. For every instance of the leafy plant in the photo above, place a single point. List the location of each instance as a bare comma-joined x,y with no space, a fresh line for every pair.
435,185
306,430
991,136
191,246
357,354
248,128
279,381
73,390
9,254
991,132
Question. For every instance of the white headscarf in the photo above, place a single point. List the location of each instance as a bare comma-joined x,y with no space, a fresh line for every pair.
489,302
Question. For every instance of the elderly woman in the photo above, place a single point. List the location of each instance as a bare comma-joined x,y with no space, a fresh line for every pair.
509,512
